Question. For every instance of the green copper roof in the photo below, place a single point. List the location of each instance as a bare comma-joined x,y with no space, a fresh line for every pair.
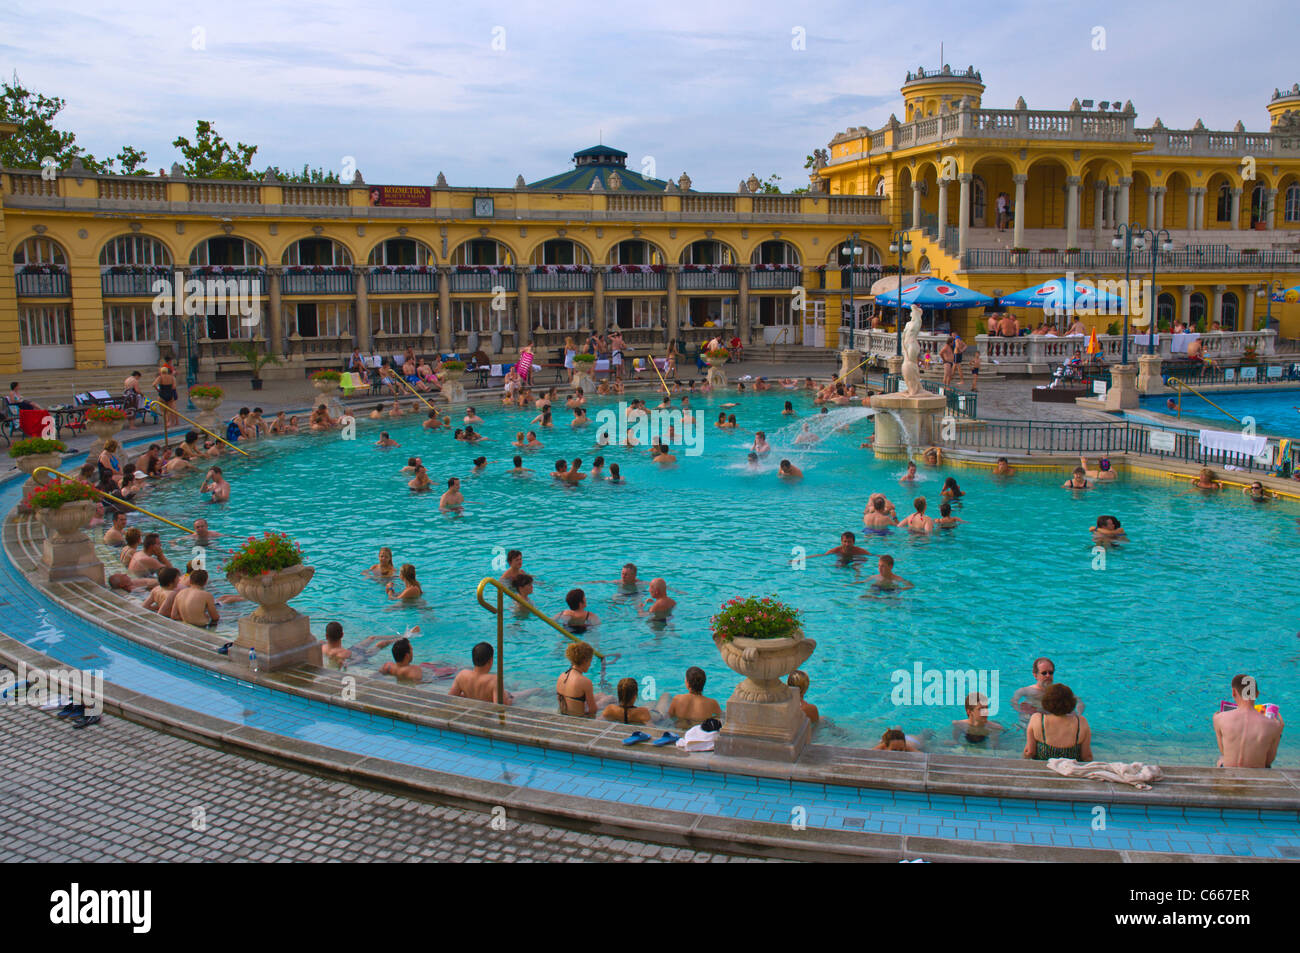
599,162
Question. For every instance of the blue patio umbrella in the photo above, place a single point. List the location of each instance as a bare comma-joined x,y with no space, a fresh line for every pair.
1290,294
1062,295
933,294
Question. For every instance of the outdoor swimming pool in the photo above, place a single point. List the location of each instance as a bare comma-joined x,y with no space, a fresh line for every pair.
1274,410
1149,642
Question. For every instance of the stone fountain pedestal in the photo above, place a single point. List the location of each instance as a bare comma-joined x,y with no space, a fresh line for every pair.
584,380
717,377
850,371
763,716
453,391
1149,379
918,421
67,553
280,635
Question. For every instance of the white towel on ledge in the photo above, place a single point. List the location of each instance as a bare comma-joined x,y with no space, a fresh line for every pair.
1135,773
697,739
1230,441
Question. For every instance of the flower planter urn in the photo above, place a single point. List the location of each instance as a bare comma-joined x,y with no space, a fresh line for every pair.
584,376
453,391
717,377
325,391
763,716
67,553
278,634
207,406
28,464
104,431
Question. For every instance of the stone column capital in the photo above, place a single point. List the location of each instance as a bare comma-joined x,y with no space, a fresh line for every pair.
1220,289
1073,181
1236,192
1099,185
1126,180
918,186
1020,178
966,178
1187,289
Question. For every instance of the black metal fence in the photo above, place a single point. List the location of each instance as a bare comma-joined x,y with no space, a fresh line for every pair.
961,403
1196,373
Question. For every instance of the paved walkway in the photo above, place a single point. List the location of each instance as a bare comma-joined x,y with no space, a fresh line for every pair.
118,791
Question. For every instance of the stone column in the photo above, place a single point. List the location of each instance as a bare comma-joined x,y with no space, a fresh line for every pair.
598,298
1071,211
943,209
963,212
1122,199
523,323
1236,208
363,308
742,303
274,326
1018,235
1151,209
1184,304
1191,210
1098,209
1248,308
1217,308
1270,208
1200,210
1160,208
446,342
916,204
673,324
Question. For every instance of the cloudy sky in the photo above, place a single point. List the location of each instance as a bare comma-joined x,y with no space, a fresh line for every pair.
719,89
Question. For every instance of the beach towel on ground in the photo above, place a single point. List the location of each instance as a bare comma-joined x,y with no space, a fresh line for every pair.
1135,773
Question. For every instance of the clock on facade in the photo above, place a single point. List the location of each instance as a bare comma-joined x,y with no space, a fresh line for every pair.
483,208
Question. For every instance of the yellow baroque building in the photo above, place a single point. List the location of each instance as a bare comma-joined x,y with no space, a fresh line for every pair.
330,268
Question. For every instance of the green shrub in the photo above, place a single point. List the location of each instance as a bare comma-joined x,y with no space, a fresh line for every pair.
34,445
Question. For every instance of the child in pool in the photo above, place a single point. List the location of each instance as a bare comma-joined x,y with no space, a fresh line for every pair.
976,728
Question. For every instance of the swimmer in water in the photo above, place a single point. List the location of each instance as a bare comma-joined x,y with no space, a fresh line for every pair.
403,665
877,514
514,566
660,605
976,728
663,457
412,464
1206,480
574,475
410,587
452,499
519,439
519,468
420,482
910,475
789,472
932,457
480,464
752,460
215,483
1028,700
885,580
614,476
533,443
378,412
580,418
598,469
336,656
1103,475
1257,492
1002,468
384,569
1078,480
951,491
471,417
721,422
761,446
918,522
627,582
433,421
386,441
1107,530
847,551
806,436
576,618
789,410
946,520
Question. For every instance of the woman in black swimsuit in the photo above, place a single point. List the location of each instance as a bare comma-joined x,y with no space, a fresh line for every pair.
574,692
165,385
626,710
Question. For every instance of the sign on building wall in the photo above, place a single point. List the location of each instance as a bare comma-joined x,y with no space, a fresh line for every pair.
401,196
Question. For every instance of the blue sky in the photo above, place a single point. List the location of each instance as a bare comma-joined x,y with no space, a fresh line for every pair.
714,89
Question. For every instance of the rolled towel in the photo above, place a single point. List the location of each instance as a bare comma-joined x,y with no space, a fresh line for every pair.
1134,773
697,739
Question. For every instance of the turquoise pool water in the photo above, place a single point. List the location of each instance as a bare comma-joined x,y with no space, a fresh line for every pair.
1274,410
1149,642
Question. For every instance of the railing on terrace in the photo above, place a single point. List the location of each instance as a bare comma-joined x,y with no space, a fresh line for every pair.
131,285
1038,349
783,278
469,282
635,203
54,285
1087,439
776,205
402,282
225,193
708,204
1198,373
294,283
961,403
706,281
636,281
560,282
33,183
132,190
316,196
1207,257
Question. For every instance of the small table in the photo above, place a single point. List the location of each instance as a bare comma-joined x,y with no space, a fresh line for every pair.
74,418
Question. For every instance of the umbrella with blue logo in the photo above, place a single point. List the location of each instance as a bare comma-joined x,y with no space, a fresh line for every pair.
932,294
1064,295
1289,295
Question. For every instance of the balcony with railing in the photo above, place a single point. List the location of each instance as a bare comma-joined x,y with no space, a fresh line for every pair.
707,280
1198,258
310,282
636,281
476,282
580,281
52,283
137,282
389,280
782,277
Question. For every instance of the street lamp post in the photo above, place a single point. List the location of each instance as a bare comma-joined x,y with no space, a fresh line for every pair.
1157,245
1131,237
853,250
1273,287
899,245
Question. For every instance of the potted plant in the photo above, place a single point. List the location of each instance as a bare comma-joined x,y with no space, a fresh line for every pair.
252,353
452,370
588,359
1249,356
1250,251
64,507
1049,251
35,452
717,357
105,423
1112,328
1019,250
760,639
326,382
269,571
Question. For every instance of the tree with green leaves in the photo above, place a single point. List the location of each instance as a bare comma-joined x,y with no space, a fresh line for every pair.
307,175
209,156
38,138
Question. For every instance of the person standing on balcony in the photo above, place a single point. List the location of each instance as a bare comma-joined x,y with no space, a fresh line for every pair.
1008,327
1002,211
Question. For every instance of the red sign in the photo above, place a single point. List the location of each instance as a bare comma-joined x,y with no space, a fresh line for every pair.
401,196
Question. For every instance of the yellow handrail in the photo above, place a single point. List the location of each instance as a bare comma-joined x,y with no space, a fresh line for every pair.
164,410
138,509
407,384
651,359
499,612
1183,384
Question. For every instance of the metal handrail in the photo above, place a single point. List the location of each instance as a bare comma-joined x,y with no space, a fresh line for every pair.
499,612
138,509
1183,385
165,410
407,384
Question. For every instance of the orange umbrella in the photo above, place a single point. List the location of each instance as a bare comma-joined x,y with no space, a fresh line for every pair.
1093,346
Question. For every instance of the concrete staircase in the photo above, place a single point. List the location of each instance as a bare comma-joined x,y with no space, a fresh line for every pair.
47,388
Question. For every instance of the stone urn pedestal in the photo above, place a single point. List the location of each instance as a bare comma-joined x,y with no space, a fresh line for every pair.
763,717
584,377
1149,379
453,391
67,553
207,406
280,635
327,394
1122,393
716,376
903,422
851,371
28,464
104,431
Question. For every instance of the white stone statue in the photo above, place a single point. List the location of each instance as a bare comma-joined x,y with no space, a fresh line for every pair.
912,355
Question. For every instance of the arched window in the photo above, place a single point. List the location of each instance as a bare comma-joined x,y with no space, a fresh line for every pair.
1228,314
1165,308
317,251
707,252
560,251
1223,212
635,251
1291,207
40,251
400,251
1258,205
775,252
482,251
134,250
227,250
867,253
1197,309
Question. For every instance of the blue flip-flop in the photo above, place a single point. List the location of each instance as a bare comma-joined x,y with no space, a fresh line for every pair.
667,738
635,738
225,649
